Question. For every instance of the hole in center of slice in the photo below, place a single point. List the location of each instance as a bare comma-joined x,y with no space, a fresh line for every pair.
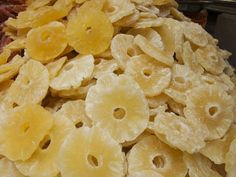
79,124
213,110
119,113
158,161
89,29
93,161
45,36
179,80
147,72
45,143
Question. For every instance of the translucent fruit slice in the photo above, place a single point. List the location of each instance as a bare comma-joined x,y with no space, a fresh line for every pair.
44,160
93,33
23,130
123,111
55,67
98,155
46,42
8,169
153,155
230,160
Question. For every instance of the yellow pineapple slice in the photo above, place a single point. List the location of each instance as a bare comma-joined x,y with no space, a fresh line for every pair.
145,173
44,160
124,106
216,112
38,3
123,48
31,85
177,131
97,4
151,154
75,111
230,160
151,76
93,33
46,42
17,45
4,56
55,67
73,73
129,20
199,166
23,130
163,2
217,149
178,15
98,155
8,169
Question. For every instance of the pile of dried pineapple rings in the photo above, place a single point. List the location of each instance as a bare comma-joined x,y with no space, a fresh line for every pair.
113,88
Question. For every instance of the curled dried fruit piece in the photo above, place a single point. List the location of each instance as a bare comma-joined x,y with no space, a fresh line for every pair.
98,155
153,155
157,101
230,162
124,106
4,55
55,67
46,42
216,112
8,168
151,76
23,130
93,33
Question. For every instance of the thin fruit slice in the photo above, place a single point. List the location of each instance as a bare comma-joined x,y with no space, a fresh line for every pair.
93,33
55,67
23,130
44,160
230,162
4,55
145,173
98,155
46,42
123,111
151,154
8,169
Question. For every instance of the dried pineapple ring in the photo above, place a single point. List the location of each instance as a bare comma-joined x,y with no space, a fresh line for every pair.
217,149
38,3
97,4
116,10
44,160
123,48
216,112
128,20
98,155
151,154
8,169
73,73
198,166
143,2
210,60
151,50
145,173
4,56
178,15
124,106
230,160
93,33
55,67
46,42
23,130
75,111
151,76
147,20
177,131
31,85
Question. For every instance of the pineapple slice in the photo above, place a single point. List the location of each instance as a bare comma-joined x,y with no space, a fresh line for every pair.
46,42
97,155
129,20
217,149
31,85
43,162
151,76
153,155
93,33
55,67
145,173
8,169
97,4
23,130
230,162
216,112
199,166
4,55
157,101
38,3
123,111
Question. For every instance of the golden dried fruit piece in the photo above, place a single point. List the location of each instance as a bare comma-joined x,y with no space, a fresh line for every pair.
151,76
4,56
8,169
44,160
96,4
93,33
230,162
98,155
163,2
31,85
151,154
157,101
145,173
124,105
178,15
55,67
23,130
17,44
147,20
46,42
129,20
216,112
38,3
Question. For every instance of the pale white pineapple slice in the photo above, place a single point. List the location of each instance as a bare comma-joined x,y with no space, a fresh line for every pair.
151,154
151,76
129,20
158,100
75,111
178,15
199,166
91,152
23,130
145,173
216,150
43,163
73,73
177,131
230,162
31,85
8,169
55,67
213,107
118,104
